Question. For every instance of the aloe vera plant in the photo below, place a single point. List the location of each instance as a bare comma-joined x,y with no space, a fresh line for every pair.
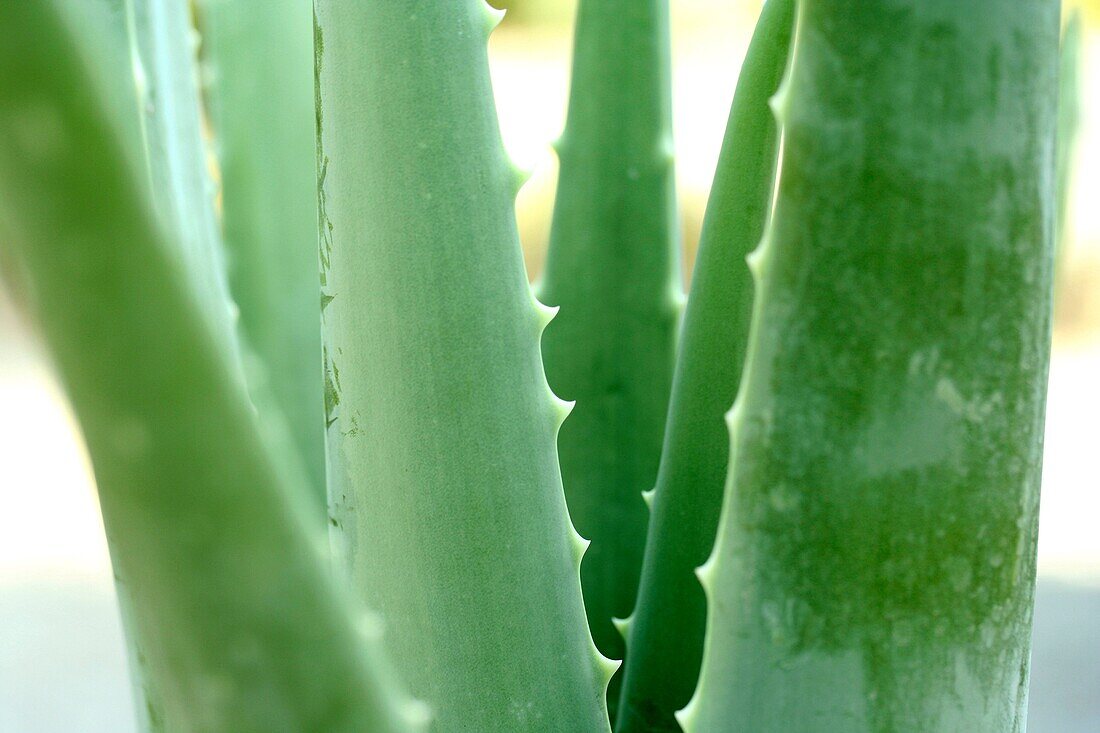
869,514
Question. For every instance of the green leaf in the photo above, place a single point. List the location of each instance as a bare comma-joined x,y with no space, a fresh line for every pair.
238,623
875,562
176,153
613,267
665,642
447,501
258,58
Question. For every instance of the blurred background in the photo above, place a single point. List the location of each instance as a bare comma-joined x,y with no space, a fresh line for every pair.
62,666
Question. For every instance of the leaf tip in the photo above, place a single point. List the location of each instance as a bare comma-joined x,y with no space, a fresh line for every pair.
780,101
562,409
578,544
606,666
622,625
519,176
705,573
755,261
491,17
686,715
544,314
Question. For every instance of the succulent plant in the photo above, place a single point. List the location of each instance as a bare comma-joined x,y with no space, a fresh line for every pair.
261,286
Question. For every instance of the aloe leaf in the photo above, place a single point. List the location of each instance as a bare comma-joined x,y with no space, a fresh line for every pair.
239,625
258,61
665,635
176,153
139,58
1069,123
613,267
875,561
103,33
446,497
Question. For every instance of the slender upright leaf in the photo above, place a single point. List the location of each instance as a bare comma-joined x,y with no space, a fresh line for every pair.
139,57
614,269
176,152
665,636
258,58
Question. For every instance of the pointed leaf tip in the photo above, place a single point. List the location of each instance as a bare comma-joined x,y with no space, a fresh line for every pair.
755,261
780,101
622,625
685,714
607,667
733,415
563,409
545,314
492,17
520,176
578,544
705,573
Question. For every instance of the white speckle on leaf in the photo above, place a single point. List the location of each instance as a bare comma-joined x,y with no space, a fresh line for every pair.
974,409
